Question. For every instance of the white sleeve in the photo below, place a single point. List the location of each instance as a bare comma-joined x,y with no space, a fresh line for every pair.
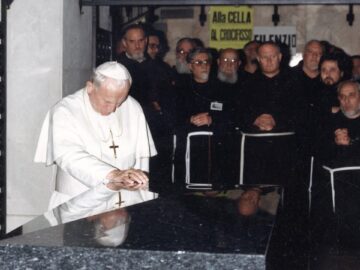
69,151
145,147
142,164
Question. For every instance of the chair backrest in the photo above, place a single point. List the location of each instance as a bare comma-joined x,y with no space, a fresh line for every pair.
332,172
244,135
197,185
345,184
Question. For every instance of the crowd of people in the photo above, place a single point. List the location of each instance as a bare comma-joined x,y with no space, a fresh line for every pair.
252,90
288,114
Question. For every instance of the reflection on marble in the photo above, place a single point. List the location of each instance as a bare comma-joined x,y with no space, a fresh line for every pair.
231,229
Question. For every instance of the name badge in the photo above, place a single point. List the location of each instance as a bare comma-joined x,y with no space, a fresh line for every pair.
216,106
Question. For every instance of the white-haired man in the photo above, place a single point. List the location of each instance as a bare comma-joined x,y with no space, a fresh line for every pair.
99,139
183,47
340,136
228,66
339,143
134,41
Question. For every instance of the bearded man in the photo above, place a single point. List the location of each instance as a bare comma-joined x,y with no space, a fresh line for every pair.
228,66
183,47
332,71
199,108
134,41
341,138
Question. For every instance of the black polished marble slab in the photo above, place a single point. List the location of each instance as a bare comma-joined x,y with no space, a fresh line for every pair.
198,230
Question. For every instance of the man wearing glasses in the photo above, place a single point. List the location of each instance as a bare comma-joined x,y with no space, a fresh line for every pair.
230,82
228,66
199,108
183,47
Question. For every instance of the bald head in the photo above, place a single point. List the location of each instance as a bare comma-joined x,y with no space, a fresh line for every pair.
228,65
312,53
349,98
248,203
269,57
183,47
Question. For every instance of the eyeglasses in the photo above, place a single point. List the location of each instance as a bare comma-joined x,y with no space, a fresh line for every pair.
230,60
182,52
201,62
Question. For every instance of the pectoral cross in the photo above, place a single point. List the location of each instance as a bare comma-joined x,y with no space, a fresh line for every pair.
120,201
113,146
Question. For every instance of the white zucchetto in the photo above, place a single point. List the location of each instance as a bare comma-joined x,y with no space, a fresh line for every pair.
114,70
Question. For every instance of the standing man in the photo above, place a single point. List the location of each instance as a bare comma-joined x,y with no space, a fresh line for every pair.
200,108
271,94
194,114
273,106
340,139
183,47
251,62
339,146
228,66
271,102
134,41
332,70
307,72
230,82
161,113
356,67
99,139
229,90
153,47
308,76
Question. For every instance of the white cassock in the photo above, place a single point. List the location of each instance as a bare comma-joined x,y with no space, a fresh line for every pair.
77,139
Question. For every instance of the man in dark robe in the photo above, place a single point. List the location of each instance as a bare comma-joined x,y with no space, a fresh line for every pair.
339,146
153,87
273,114
307,75
340,140
183,47
199,108
135,59
251,64
273,105
230,81
161,115
332,70
355,59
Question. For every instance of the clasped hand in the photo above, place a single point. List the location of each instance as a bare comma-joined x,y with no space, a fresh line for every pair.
342,136
201,119
131,179
265,122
